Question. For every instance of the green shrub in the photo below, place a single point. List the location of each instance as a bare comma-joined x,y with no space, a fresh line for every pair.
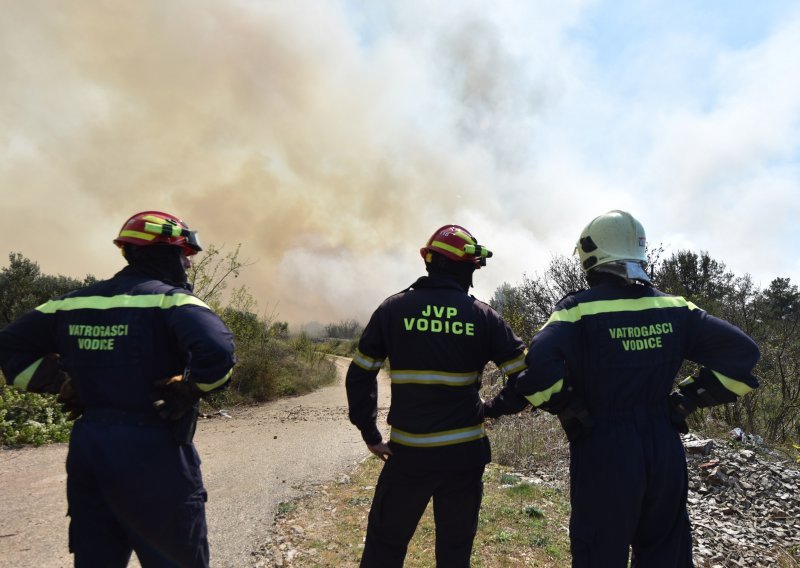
29,418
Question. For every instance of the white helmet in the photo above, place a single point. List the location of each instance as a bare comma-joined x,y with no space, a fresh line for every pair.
613,242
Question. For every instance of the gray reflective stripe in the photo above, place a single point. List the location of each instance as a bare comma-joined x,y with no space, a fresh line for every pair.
366,363
608,306
205,387
515,365
434,378
162,301
22,380
434,439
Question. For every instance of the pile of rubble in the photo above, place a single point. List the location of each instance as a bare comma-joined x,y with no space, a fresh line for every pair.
744,504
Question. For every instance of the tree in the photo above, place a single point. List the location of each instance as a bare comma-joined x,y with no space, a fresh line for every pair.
211,271
527,307
23,287
344,329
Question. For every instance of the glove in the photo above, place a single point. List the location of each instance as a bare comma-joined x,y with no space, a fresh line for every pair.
680,407
68,398
575,420
175,397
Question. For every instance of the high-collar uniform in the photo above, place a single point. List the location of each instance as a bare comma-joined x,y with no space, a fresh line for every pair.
437,339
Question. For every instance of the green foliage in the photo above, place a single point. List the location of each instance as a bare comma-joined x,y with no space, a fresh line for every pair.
23,287
29,418
345,329
340,347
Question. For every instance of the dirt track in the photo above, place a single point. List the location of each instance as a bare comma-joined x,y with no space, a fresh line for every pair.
251,462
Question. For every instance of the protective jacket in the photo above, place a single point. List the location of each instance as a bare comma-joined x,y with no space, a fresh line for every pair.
614,347
116,338
605,362
438,340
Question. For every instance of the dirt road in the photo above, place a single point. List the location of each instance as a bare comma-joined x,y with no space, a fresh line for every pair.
251,462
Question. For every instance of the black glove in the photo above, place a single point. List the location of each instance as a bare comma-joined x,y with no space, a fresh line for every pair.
175,397
680,407
68,398
575,420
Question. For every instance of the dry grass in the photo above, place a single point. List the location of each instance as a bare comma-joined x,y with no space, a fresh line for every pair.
522,523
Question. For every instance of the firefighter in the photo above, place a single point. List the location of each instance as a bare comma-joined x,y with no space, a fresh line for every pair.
606,363
437,339
130,356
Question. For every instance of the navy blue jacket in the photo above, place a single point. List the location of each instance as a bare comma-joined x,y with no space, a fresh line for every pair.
116,338
618,346
438,339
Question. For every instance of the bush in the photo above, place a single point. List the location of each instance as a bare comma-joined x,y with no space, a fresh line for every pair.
29,418
278,367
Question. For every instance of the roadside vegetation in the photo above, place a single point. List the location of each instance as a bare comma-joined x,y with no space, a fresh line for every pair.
271,363
523,522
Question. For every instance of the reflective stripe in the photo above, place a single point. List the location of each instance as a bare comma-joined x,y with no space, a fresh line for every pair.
367,363
515,365
434,439
137,235
206,387
162,301
608,306
22,380
434,378
445,246
737,387
539,398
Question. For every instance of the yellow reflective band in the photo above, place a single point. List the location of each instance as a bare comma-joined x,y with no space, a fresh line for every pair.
154,219
137,235
686,381
162,301
515,365
737,387
22,380
445,246
608,306
366,363
435,439
539,398
206,387
434,378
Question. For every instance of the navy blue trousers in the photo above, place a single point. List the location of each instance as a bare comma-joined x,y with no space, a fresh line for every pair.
628,494
402,493
133,488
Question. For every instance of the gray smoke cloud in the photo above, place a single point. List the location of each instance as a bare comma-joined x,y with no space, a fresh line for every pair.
266,124
331,138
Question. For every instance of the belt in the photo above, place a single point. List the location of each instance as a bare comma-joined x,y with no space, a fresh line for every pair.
123,417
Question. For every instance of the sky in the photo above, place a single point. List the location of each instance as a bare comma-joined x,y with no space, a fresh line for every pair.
330,139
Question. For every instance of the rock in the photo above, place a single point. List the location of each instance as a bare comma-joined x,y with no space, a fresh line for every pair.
703,447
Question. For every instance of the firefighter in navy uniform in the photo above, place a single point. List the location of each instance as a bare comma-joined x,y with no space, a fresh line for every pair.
438,339
131,355
606,362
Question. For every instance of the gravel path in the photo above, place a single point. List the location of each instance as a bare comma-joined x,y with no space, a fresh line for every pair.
252,461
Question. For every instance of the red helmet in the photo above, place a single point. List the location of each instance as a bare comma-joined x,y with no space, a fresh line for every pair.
157,228
456,243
